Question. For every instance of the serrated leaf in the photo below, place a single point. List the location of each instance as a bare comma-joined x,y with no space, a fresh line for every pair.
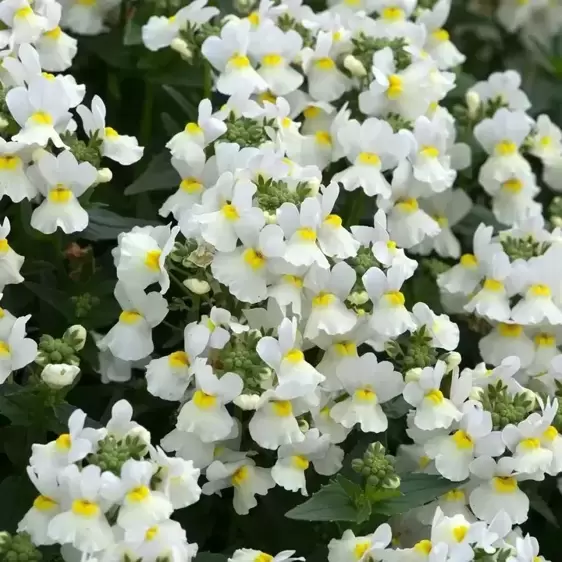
107,225
330,503
416,490
160,174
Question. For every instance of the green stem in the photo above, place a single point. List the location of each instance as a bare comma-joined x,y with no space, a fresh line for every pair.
207,80
147,113
355,210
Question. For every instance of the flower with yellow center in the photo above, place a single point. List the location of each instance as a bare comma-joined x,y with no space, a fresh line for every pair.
393,14
41,118
300,462
345,348
395,87
230,212
325,63
152,260
423,547
130,317
366,395
178,359
60,194
395,298
193,129
307,234
254,258
360,549
435,396
9,162
85,508
510,330
323,299
512,186
240,476
462,440
138,494
323,138
506,148
369,159
540,290
505,484
272,60
239,61
469,261
4,349
294,356
311,112
282,408
63,442
44,503
335,221
440,35
408,205
460,532
430,151
493,285
191,185
204,401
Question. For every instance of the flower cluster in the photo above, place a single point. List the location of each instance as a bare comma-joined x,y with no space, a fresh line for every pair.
295,323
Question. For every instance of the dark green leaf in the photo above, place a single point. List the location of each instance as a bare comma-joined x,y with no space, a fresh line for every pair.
542,507
416,490
107,225
189,109
210,557
160,174
17,494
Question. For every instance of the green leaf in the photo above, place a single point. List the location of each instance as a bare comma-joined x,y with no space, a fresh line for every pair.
210,557
160,174
133,33
330,503
541,506
107,225
416,490
15,402
188,108
17,493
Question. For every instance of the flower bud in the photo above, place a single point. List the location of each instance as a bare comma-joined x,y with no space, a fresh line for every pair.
247,401
313,186
473,102
38,154
413,375
76,336
197,286
355,66
358,298
60,375
3,123
453,360
105,175
182,48
476,393
270,218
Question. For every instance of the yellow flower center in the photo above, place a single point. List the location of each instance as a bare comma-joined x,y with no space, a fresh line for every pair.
204,401
493,285
462,440
506,148
423,461
391,245
435,396
395,298
530,444
4,246
395,87
512,186
239,61
54,33
130,317
430,151
440,35
550,433
505,484
323,138
294,356
393,13
455,495
459,532
282,408
85,508
111,133
23,13
240,476
307,234
540,290
325,63
41,118
193,129
254,18
409,205
545,141
63,442
369,159
44,503
423,547
323,299
267,96
544,339
366,394
345,348
254,259
272,60
178,359
300,462
4,349
9,162
151,533
311,112
510,330
360,549
86,2
191,185
60,194
230,212
138,494
469,261
294,280
334,221
442,221
152,259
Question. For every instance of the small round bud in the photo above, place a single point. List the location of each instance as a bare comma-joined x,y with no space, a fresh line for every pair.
60,375
473,102
476,393
105,175
270,218
182,48
358,298
38,154
531,397
413,375
453,360
197,286
3,123
76,336
355,66
247,401
313,186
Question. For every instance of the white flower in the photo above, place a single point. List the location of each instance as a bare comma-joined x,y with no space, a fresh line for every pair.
433,410
141,505
68,448
121,148
325,81
293,461
140,256
86,18
83,523
350,547
16,351
228,54
372,148
59,376
247,479
205,414
285,357
10,262
160,31
329,288
444,333
25,24
61,180
504,87
249,555
369,384
131,338
120,425
14,182
56,49
474,438
168,377
41,110
390,317
507,340
406,92
546,139
498,490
